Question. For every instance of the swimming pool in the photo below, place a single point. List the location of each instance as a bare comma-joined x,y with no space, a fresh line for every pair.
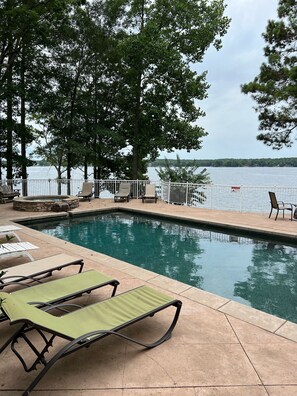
256,272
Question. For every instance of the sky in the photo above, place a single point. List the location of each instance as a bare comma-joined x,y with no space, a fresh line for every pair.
231,121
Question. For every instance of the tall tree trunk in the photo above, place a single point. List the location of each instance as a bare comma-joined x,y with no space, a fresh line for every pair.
9,103
137,120
69,166
70,131
23,127
85,169
135,152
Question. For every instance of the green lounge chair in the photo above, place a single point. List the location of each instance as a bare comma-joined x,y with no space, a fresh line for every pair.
64,289
83,326
38,269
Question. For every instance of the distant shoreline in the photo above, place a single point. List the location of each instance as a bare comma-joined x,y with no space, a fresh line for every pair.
218,163
230,162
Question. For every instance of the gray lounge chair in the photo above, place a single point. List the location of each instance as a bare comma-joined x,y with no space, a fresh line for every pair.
82,327
124,192
38,269
7,193
87,191
150,193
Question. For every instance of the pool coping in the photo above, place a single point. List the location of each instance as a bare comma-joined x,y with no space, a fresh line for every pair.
268,322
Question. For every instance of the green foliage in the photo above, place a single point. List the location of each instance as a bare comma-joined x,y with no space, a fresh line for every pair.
159,42
9,237
275,88
184,174
180,173
110,81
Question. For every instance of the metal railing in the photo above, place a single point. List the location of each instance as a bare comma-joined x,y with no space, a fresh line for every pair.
211,196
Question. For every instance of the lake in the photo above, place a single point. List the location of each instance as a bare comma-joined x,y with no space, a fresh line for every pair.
258,176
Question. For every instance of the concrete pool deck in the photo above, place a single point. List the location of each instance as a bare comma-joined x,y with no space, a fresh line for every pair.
219,347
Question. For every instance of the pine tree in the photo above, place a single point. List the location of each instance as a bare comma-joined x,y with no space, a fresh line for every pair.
275,88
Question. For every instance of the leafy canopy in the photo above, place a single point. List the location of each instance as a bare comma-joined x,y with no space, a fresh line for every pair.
183,174
275,88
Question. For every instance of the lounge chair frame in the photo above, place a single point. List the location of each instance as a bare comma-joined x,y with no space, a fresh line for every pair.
83,341
61,261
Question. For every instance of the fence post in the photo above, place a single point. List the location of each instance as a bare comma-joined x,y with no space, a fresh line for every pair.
240,198
187,192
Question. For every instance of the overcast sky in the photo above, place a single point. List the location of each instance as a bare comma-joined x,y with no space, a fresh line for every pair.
231,121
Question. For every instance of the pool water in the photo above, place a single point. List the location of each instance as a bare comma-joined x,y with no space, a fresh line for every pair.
258,273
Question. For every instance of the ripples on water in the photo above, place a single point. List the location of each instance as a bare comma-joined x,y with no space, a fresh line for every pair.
259,273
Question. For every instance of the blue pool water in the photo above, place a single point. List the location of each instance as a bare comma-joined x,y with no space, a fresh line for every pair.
256,272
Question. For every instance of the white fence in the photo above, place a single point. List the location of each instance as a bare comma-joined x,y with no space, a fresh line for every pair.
211,196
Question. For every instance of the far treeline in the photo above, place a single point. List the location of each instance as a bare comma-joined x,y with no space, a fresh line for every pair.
230,162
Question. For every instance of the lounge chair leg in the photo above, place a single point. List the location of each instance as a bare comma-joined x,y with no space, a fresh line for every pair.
14,336
276,214
115,284
47,367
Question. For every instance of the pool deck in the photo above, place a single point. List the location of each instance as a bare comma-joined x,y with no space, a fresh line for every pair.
219,347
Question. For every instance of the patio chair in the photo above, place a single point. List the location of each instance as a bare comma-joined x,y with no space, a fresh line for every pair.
279,205
7,193
81,327
87,191
124,192
63,289
17,248
150,193
38,269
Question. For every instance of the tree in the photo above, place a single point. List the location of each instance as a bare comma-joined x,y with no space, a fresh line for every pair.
25,28
159,41
275,88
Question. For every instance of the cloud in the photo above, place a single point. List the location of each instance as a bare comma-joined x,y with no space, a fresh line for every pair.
230,119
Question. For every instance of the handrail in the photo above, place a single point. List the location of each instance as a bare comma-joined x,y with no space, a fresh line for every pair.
242,198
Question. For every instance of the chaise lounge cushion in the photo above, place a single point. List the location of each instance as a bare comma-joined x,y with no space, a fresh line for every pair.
39,268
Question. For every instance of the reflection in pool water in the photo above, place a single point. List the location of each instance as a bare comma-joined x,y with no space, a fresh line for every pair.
259,273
